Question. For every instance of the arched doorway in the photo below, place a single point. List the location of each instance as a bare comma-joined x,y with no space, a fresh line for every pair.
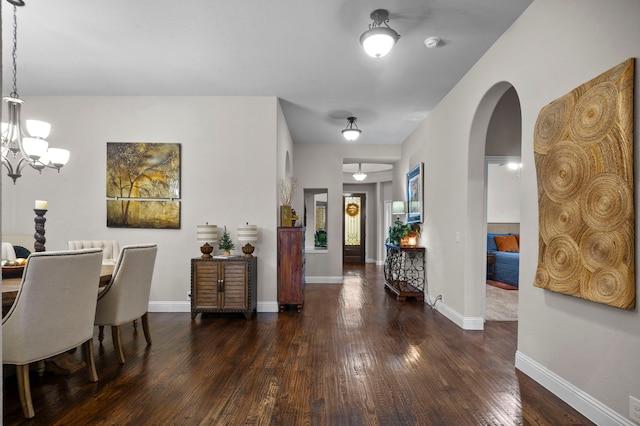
496,131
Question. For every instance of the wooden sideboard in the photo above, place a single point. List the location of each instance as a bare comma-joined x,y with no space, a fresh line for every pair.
224,286
291,281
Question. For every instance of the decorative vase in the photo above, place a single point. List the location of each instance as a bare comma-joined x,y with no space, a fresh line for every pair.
227,253
285,216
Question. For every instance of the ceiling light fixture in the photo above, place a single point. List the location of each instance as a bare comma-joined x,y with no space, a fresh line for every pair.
359,175
351,132
377,41
28,148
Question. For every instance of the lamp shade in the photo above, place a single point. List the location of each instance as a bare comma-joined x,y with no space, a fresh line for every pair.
377,42
208,233
397,207
38,129
35,148
351,134
247,233
58,156
359,175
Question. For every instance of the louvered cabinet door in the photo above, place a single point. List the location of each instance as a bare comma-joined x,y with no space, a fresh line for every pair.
204,286
234,286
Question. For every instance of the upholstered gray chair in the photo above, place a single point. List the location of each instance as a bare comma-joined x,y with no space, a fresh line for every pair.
110,248
53,312
8,251
126,297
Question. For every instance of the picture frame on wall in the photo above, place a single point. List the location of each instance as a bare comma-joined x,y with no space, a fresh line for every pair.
415,194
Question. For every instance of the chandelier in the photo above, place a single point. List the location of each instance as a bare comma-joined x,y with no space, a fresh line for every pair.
351,132
378,40
359,175
22,148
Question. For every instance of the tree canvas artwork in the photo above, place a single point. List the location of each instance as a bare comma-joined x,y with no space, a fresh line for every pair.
143,181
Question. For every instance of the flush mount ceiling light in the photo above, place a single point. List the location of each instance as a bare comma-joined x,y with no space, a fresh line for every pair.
359,175
378,40
351,132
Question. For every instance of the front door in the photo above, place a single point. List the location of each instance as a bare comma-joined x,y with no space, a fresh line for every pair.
354,207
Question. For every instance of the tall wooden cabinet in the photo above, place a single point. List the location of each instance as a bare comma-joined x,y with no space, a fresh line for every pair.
224,286
291,261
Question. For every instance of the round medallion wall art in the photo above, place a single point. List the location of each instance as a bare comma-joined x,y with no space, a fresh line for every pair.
583,148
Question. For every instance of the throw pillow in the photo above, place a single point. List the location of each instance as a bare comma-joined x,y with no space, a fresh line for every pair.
507,243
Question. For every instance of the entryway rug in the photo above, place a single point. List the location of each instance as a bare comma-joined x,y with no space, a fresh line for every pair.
502,285
501,305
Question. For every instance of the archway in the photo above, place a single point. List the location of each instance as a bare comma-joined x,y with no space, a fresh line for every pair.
487,115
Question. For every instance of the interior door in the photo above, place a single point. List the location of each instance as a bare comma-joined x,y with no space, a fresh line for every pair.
354,225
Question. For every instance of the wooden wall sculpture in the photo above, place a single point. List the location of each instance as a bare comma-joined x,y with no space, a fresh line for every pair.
583,147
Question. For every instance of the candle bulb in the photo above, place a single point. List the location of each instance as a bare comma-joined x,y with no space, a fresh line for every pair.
41,205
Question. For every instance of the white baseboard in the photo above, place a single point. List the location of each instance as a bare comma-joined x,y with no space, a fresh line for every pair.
323,280
183,306
268,307
588,406
465,323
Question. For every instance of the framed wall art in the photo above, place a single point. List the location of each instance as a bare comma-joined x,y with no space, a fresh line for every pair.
155,214
143,185
415,194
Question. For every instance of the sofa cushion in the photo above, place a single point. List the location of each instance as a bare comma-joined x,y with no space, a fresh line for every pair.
491,242
507,243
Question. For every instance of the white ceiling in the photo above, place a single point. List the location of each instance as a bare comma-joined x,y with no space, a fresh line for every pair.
305,52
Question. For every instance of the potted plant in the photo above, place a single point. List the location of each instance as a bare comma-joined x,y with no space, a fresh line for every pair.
320,238
401,231
225,243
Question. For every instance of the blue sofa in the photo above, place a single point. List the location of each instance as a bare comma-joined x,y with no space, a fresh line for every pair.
506,267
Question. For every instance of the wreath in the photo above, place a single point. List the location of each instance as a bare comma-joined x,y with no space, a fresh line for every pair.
352,209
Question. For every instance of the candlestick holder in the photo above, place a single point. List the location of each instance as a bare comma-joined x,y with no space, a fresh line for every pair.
39,235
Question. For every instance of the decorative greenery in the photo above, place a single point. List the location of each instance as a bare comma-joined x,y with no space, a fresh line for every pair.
401,230
225,242
320,238
287,190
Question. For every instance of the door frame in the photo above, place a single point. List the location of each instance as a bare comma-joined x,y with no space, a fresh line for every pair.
363,225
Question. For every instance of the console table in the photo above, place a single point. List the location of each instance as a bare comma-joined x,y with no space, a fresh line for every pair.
224,286
404,271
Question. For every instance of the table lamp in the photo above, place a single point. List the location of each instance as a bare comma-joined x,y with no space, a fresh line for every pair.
247,234
208,234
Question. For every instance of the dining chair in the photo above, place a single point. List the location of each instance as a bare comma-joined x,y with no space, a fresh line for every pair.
8,252
53,312
126,297
110,248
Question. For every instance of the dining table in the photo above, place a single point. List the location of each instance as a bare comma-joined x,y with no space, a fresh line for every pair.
65,363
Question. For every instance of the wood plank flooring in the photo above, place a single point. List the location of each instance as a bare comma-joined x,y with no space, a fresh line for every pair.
353,356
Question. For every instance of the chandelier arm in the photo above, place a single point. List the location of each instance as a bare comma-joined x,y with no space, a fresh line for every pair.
14,174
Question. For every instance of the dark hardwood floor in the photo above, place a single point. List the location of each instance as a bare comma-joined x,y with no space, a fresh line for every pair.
353,356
